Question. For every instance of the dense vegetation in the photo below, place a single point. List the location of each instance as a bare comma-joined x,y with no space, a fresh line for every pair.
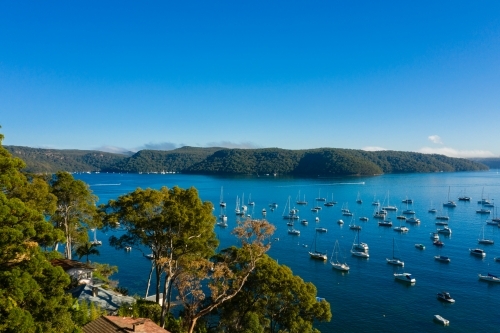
38,212
221,161
492,162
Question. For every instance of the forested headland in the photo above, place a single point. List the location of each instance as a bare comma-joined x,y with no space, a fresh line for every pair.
222,161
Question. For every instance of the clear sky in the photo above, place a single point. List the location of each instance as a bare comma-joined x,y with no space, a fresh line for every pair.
128,75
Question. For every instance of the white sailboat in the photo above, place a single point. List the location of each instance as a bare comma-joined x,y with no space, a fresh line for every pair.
221,202
317,254
358,248
95,241
394,260
389,207
483,240
336,264
450,203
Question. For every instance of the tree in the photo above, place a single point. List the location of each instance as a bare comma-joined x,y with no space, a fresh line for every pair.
76,210
32,297
227,276
281,301
171,223
86,249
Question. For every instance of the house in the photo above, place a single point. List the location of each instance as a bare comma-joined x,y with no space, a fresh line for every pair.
114,324
105,299
79,271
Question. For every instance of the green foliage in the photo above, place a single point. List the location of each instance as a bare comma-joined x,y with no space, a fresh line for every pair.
76,210
221,161
85,250
273,300
40,160
141,309
32,297
104,271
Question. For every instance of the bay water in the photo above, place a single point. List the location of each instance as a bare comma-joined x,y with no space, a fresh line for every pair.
367,298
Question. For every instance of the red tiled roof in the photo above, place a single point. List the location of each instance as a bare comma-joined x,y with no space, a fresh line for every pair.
116,324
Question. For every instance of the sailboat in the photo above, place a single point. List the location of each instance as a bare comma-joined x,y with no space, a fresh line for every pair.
394,261
250,202
432,209
496,218
336,264
301,202
316,254
485,240
95,241
359,249
354,226
450,203
358,199
222,203
463,197
389,207
402,228
331,202
319,198
292,213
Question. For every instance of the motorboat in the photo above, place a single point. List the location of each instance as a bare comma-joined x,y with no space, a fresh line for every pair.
489,278
360,254
321,229
442,217
340,222
363,218
445,230
477,252
405,277
413,220
450,204
401,217
385,223
445,296
420,246
318,255
401,229
222,224
294,232
434,236
441,320
407,201
355,227
438,243
304,222
483,211
497,259
379,214
432,210
408,212
442,258
441,223
316,219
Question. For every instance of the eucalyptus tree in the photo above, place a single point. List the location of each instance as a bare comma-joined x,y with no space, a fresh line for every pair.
225,275
281,302
76,210
32,296
171,224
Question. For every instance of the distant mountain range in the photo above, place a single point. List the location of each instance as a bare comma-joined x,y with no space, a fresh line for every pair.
223,161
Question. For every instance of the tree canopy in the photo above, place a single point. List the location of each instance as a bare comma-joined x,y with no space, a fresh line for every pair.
32,297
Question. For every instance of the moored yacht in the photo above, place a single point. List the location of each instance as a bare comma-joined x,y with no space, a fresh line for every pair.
442,258
477,252
445,296
489,278
405,277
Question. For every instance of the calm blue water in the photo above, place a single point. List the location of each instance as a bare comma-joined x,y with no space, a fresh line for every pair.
367,298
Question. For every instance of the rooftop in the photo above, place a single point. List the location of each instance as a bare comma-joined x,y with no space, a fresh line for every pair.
115,324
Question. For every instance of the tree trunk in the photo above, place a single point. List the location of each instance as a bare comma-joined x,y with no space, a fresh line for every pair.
149,279
192,325
166,285
158,283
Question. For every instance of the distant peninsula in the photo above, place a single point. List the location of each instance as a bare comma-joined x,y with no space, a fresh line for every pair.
325,162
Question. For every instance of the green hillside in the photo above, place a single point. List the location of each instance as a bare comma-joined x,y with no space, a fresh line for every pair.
222,161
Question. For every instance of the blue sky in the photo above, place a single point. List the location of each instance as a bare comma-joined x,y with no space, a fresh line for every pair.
127,75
